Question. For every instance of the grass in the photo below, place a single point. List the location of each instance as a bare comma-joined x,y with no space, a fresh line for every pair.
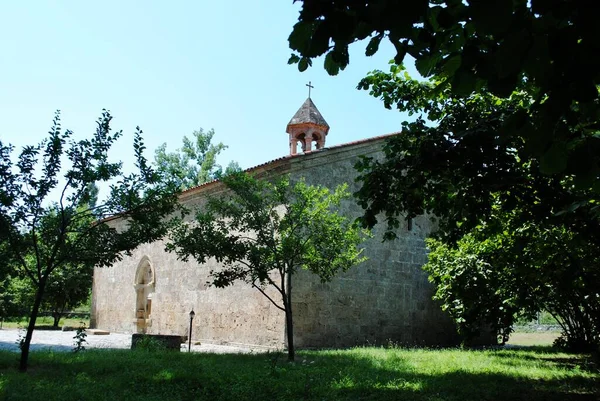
356,374
45,322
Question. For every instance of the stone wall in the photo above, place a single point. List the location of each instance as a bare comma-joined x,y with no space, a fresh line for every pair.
237,314
387,298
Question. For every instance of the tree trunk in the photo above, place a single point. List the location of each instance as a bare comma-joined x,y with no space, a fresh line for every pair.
32,318
57,312
56,317
289,323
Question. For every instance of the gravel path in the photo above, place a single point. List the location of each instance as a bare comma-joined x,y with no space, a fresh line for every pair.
63,341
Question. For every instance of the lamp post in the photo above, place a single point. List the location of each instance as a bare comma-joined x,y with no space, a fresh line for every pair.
192,314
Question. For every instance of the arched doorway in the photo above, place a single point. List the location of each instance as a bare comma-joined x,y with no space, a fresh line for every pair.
144,287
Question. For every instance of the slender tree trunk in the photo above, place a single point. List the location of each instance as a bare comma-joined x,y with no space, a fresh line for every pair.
289,323
56,317
58,312
32,318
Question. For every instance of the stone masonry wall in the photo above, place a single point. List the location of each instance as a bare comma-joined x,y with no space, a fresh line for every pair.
238,314
387,298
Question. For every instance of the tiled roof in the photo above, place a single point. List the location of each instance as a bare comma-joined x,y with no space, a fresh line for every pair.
280,159
308,113
273,162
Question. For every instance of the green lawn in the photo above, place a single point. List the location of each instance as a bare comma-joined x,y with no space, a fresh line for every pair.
45,322
357,374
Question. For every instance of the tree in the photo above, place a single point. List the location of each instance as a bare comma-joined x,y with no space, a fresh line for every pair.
492,279
16,296
195,163
41,238
263,232
90,197
511,239
232,167
484,46
71,286
67,288
513,107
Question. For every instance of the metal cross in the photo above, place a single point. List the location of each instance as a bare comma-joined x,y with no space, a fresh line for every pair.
309,88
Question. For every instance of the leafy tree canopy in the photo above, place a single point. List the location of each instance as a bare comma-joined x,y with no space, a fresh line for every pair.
194,163
495,274
511,240
484,46
67,288
263,232
47,222
460,161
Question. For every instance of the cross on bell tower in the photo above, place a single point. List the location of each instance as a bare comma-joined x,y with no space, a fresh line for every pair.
307,126
309,88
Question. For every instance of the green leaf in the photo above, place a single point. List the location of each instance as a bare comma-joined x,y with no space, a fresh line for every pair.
331,66
463,82
319,41
451,64
555,159
508,58
443,18
400,53
373,45
432,17
426,64
492,17
303,64
299,39
294,59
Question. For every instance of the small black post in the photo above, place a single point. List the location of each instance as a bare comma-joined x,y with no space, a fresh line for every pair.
192,314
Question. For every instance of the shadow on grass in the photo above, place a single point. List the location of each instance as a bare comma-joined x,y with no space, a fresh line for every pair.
554,356
364,379
361,374
540,349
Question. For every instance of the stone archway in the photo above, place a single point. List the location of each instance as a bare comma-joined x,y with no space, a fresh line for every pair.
144,285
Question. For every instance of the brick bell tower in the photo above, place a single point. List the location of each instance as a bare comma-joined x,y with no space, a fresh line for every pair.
307,126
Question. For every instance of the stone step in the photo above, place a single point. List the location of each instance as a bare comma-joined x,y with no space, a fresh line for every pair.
97,332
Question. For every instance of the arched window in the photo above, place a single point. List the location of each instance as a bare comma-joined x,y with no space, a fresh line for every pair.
144,285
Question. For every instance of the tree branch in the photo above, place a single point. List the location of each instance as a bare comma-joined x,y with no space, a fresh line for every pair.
268,297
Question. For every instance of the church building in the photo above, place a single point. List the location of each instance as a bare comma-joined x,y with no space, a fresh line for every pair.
385,299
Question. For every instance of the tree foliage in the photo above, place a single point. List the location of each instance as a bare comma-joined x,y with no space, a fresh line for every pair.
45,229
484,46
452,164
510,239
263,232
67,288
505,152
492,277
16,295
194,163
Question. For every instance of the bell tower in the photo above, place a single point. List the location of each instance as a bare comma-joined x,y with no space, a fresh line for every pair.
307,127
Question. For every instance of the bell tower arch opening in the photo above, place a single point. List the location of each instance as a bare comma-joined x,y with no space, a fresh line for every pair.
144,285
317,141
297,145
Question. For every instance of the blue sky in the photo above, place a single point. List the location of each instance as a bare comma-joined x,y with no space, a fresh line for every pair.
173,67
